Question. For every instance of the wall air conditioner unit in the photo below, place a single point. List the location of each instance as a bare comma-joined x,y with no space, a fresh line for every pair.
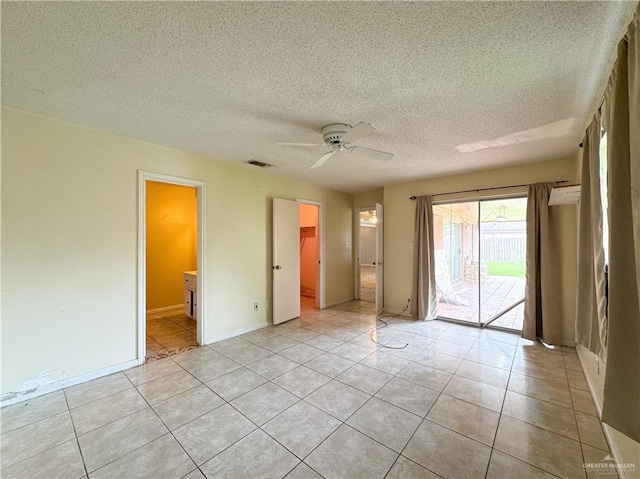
565,195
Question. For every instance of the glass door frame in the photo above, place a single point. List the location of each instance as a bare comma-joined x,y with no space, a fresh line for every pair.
480,323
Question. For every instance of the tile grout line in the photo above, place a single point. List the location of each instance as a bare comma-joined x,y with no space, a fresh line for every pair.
169,431
345,421
495,436
75,433
75,438
538,427
575,418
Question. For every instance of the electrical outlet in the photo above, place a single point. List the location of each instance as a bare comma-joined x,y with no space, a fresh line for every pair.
256,306
268,304
391,293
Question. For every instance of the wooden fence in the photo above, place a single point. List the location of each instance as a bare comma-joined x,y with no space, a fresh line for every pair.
503,248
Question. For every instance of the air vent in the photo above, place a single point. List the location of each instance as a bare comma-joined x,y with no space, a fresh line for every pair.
258,163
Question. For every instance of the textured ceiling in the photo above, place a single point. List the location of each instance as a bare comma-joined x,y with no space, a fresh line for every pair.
451,86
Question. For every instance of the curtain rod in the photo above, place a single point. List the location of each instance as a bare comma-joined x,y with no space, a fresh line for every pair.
412,198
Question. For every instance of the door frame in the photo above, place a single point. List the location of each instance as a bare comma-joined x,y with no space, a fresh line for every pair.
356,249
200,186
480,199
320,296
379,258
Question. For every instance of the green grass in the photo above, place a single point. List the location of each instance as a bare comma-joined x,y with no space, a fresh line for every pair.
505,268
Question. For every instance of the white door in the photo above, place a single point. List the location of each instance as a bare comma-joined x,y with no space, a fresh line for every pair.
286,260
379,259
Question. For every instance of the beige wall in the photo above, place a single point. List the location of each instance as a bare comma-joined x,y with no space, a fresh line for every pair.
171,242
399,224
69,249
368,198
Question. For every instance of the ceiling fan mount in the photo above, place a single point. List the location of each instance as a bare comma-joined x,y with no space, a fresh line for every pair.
340,136
332,134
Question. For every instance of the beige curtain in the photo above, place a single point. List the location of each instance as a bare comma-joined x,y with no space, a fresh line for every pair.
591,319
423,295
542,302
621,116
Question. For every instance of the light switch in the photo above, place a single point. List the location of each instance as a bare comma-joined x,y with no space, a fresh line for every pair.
410,245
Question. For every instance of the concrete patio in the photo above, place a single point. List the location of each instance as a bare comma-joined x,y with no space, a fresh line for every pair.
497,293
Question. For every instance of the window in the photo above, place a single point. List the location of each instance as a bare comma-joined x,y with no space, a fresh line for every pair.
604,196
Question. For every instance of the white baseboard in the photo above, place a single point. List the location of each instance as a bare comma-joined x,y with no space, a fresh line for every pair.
592,387
613,445
237,332
336,303
166,308
13,398
615,452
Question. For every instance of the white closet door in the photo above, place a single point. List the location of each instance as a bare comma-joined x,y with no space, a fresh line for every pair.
286,260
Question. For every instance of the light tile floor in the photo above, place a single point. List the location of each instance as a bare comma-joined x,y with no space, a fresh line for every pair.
368,283
168,333
315,397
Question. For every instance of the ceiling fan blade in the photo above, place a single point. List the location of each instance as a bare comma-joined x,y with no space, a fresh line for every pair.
357,132
323,158
369,153
284,143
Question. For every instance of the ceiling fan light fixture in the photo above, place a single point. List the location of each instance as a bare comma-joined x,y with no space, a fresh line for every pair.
340,136
332,134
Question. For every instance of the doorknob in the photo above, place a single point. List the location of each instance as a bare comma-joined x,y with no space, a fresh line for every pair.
277,267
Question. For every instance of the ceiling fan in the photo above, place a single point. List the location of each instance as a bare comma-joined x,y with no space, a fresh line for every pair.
340,136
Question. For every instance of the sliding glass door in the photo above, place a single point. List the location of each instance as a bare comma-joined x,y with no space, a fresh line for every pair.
480,256
455,227
503,233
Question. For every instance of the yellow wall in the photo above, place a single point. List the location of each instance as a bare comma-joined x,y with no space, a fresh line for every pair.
399,224
69,245
171,242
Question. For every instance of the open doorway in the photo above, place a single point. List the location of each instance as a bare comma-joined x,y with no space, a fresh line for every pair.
171,269
367,225
170,315
369,258
309,256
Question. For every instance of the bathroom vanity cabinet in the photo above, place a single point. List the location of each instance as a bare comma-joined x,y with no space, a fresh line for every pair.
190,281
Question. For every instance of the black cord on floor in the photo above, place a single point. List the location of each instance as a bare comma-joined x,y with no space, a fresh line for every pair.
382,320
